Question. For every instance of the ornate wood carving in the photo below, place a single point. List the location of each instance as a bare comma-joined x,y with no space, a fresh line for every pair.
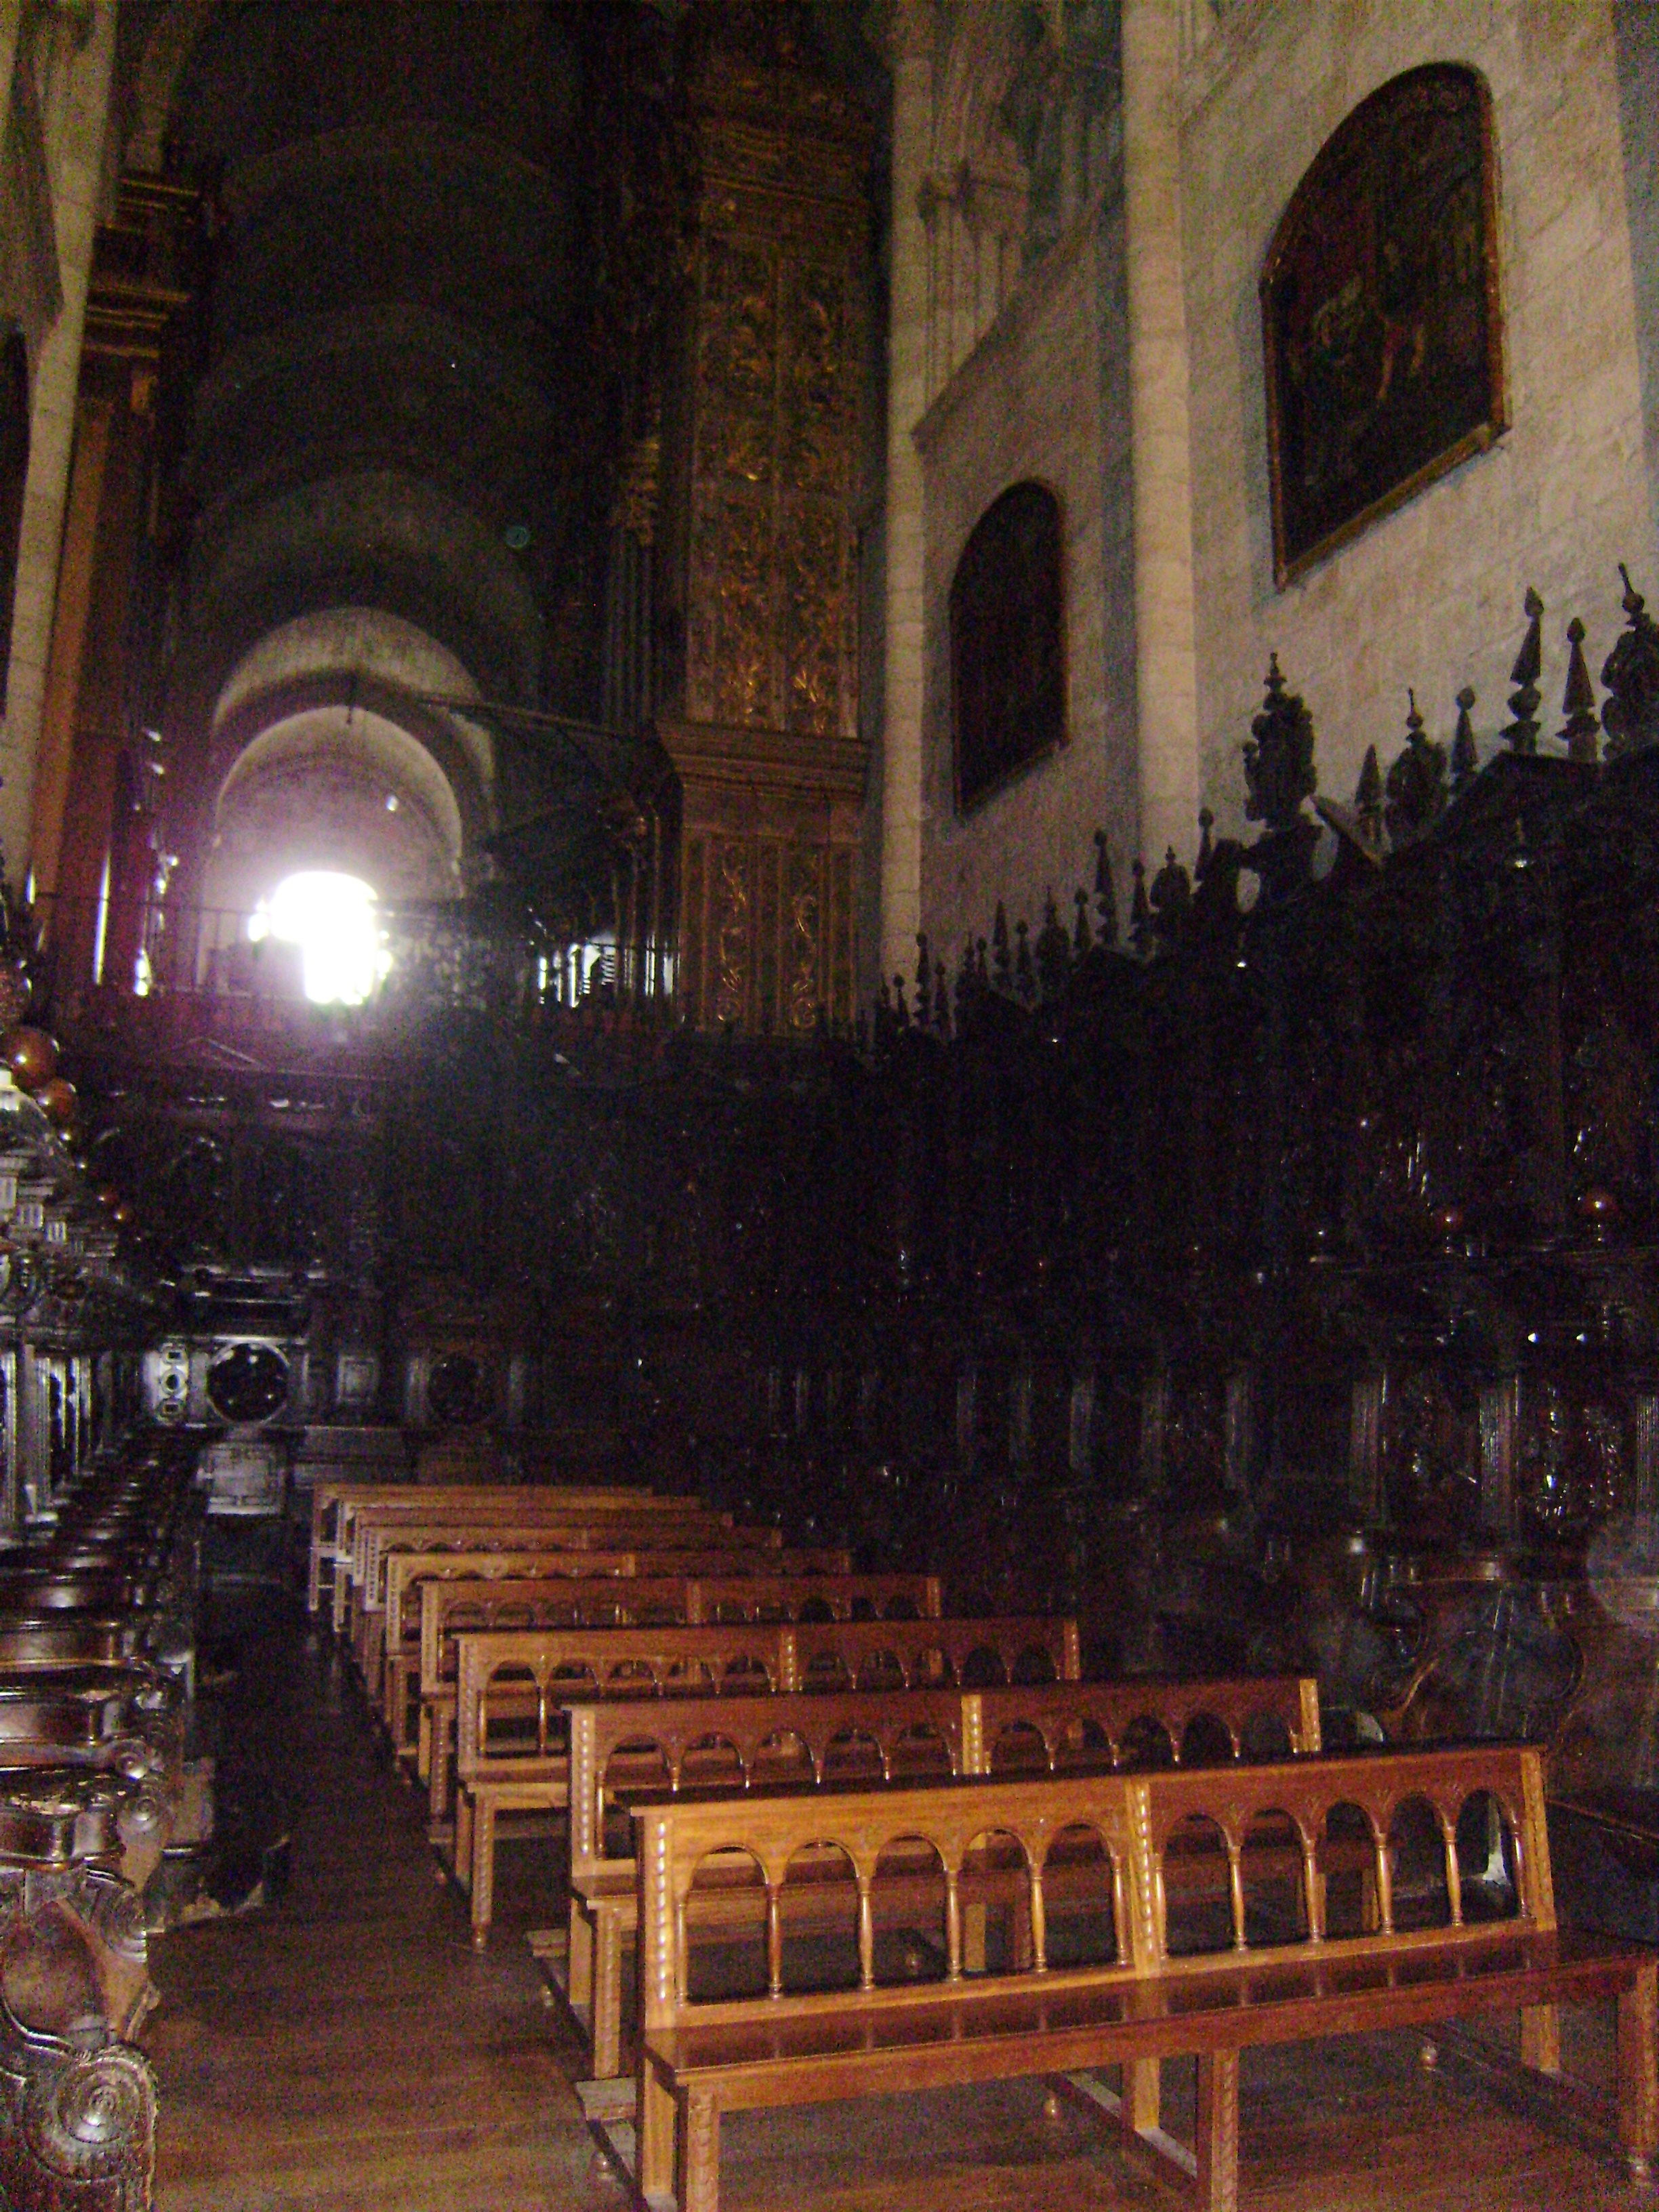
763,467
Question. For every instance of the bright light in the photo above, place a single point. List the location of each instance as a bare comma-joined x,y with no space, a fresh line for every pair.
331,918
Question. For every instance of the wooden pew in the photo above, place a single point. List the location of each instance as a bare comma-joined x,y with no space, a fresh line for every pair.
1179,1952
713,1598
495,1505
405,1566
502,1672
379,1530
816,1740
524,1673
334,1503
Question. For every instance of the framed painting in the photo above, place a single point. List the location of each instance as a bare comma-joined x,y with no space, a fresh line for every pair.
1007,652
1381,326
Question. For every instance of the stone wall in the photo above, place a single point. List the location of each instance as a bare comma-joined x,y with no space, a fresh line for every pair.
1032,401
1430,595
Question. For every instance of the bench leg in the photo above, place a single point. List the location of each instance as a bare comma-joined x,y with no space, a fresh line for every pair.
460,1849
438,1804
1638,2072
579,1960
1217,2132
423,1745
1143,2104
482,1885
700,2153
655,2120
604,2023
1540,2038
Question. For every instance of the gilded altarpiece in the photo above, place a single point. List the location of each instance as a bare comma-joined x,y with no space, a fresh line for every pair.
764,471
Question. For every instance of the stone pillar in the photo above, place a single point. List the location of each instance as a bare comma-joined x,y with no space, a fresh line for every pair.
77,119
145,276
1166,663
911,56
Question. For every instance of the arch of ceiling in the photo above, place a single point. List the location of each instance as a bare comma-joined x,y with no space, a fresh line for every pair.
346,652
382,537
416,365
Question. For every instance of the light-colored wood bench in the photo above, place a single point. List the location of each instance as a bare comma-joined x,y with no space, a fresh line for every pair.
335,1503
511,1754
706,1595
1169,1944
873,1736
379,1530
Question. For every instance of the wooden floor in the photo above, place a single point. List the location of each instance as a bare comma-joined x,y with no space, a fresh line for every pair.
344,2051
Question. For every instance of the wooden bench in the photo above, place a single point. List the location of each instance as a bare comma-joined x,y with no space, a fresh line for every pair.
380,1528
731,1594
362,1593
335,1503
816,1740
520,1677
1169,1947
702,1599
511,1682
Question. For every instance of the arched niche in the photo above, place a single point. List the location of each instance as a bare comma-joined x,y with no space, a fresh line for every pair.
1008,643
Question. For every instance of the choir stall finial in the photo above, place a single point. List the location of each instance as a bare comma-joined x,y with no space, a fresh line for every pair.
1520,735
1581,728
1278,757
1630,717
1417,782
1465,756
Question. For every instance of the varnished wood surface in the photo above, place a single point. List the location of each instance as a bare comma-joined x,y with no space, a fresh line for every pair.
347,2052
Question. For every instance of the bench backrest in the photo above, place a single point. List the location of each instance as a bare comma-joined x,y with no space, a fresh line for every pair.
376,1541
333,1504
536,1505
1148,1721
408,1572
743,1657
548,1663
808,1727
921,1655
447,1606
961,1728
68,1639
1147,1827
825,1594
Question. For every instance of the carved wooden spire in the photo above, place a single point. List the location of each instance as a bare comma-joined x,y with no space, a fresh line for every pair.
1465,758
1279,755
1631,676
1522,734
1368,801
1417,782
1579,731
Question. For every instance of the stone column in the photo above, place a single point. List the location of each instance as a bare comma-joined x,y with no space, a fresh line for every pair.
1166,668
77,119
911,55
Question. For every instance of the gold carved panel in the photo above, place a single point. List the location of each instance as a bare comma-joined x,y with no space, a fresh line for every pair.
778,344
776,917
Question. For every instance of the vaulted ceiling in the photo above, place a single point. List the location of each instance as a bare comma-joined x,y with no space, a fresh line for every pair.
444,243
